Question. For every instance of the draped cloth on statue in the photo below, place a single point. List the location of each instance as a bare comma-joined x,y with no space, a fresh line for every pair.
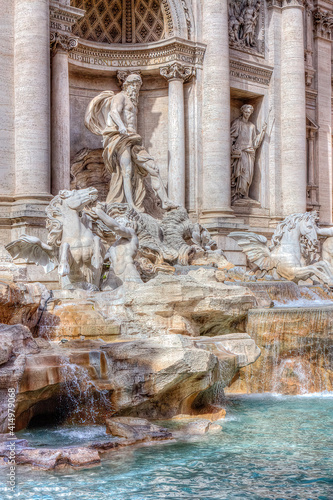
98,120
245,140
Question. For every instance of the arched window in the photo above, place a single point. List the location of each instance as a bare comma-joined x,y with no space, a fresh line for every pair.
120,21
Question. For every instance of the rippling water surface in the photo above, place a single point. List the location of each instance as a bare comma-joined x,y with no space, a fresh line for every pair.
271,447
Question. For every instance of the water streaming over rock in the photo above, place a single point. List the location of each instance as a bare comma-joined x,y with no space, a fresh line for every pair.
295,338
81,398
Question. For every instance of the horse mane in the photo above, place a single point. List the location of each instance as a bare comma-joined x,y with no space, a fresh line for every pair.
53,223
290,223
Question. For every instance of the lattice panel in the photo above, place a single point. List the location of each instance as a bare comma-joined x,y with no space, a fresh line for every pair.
102,22
149,24
106,21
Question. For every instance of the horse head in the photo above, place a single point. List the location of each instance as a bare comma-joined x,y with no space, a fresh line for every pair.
78,199
75,200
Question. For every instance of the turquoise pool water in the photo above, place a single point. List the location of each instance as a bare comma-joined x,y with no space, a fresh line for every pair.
271,447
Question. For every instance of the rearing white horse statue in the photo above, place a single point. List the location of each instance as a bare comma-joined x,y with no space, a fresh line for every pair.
294,252
71,245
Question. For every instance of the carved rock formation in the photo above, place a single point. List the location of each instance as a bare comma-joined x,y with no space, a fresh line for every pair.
142,377
22,303
194,307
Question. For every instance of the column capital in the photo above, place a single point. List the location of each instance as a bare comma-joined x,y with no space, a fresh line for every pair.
323,24
58,41
177,71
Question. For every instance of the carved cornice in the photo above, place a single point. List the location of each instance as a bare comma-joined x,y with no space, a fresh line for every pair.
293,3
177,71
274,3
139,56
247,72
286,3
323,24
62,17
58,41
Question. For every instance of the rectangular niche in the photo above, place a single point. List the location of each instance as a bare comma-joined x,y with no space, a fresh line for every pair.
237,99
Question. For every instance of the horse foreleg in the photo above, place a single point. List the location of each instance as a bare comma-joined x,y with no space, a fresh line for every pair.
306,272
64,258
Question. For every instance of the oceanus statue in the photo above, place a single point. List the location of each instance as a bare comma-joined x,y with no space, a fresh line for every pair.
293,253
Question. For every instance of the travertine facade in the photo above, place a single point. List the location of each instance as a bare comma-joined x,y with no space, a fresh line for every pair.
200,61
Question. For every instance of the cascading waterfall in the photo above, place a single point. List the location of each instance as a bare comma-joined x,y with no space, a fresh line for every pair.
296,350
295,337
84,401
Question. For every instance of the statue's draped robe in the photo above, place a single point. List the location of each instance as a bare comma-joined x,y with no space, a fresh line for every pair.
243,136
98,120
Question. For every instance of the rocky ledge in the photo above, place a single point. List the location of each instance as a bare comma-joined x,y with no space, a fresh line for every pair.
125,431
141,377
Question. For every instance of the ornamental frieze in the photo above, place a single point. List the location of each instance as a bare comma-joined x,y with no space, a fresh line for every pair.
168,51
247,72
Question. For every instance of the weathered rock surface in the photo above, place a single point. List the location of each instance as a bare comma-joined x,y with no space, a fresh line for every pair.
198,427
152,378
138,429
215,413
22,303
49,459
16,340
193,304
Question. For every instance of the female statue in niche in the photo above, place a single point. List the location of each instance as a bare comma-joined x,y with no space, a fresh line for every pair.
244,143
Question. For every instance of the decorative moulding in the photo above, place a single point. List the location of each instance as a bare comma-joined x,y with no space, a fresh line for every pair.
62,17
141,56
248,72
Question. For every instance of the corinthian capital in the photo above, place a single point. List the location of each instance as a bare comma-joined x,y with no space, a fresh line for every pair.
58,41
323,23
177,71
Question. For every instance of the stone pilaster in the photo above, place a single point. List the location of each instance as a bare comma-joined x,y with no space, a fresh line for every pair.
293,105
60,142
323,23
274,34
32,99
62,18
176,74
216,189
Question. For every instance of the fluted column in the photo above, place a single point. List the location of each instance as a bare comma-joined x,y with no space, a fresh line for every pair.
60,140
176,74
323,23
216,190
293,121
32,98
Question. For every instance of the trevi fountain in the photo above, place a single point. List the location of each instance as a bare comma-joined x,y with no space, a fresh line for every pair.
166,250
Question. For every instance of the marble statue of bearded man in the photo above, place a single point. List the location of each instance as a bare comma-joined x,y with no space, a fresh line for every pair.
114,116
244,143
